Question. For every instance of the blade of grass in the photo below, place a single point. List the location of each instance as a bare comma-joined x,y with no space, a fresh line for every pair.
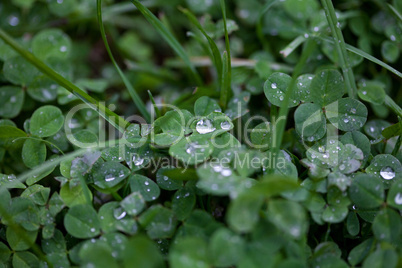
365,55
396,13
115,120
340,47
225,81
134,95
292,46
214,48
174,44
227,66
260,34
393,106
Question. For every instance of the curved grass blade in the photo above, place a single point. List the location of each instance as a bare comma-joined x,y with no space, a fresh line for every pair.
115,120
260,34
174,44
214,48
365,55
396,13
134,95
340,47
292,46
227,66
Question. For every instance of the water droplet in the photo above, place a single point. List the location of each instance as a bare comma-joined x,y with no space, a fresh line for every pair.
342,167
321,149
225,125
353,110
372,129
281,98
60,1
13,20
119,213
109,177
306,35
273,85
204,126
63,48
398,199
226,172
346,120
364,92
146,183
13,99
93,230
137,160
316,29
387,173
392,37
326,155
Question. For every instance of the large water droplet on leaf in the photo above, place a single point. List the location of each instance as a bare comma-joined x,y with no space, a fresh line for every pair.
109,177
204,126
387,173
398,199
225,125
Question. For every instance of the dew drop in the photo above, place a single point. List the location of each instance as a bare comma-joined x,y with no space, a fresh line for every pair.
346,120
109,178
204,126
226,172
353,110
63,48
398,199
13,20
225,125
273,85
281,98
387,173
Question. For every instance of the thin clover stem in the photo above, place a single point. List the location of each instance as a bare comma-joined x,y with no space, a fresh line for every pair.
133,93
280,123
115,120
340,47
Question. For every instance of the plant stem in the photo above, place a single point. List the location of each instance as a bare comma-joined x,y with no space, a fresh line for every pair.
280,123
133,93
340,47
115,120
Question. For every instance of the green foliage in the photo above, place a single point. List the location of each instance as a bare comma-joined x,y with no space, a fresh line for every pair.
267,139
